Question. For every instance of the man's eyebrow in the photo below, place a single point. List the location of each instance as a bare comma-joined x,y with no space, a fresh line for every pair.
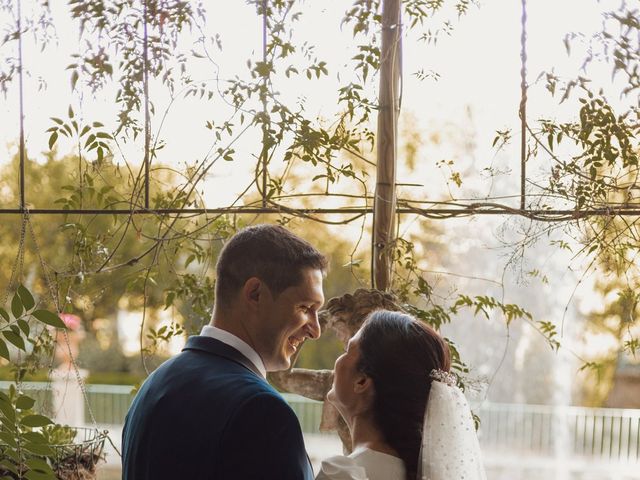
308,302
314,300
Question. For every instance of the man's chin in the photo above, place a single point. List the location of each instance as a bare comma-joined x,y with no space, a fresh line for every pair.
286,364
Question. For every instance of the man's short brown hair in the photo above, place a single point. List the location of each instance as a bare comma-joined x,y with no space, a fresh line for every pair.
269,252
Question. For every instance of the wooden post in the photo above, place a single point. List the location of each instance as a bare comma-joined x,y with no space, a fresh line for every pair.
389,107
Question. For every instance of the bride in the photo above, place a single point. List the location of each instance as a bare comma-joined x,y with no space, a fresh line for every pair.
408,420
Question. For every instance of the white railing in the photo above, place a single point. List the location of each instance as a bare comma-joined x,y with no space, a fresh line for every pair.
604,434
599,433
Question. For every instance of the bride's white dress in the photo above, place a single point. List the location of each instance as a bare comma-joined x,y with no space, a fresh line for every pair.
362,464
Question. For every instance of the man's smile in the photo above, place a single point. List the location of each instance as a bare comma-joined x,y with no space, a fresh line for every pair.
295,342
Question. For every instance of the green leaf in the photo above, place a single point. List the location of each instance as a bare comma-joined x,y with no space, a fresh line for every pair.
39,464
24,326
90,139
26,297
11,453
16,305
8,411
9,439
169,300
35,421
14,339
34,437
52,139
49,318
67,129
24,402
4,314
4,351
35,475
74,79
39,449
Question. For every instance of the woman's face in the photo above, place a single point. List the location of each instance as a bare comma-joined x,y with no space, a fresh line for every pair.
347,392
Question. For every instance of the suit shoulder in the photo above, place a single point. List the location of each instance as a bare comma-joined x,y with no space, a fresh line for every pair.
264,395
268,404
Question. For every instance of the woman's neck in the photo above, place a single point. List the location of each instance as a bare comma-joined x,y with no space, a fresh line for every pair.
365,434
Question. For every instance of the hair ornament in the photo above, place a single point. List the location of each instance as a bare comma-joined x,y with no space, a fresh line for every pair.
441,376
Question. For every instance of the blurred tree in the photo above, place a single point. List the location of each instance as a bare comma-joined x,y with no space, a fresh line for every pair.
608,329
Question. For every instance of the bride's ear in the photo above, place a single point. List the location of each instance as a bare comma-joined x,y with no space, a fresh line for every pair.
363,384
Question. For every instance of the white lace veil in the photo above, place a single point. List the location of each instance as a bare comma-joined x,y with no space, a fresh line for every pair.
450,446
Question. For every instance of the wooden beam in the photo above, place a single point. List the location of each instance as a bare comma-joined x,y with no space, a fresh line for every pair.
389,108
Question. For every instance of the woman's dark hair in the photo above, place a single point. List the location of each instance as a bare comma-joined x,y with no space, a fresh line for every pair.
269,252
398,353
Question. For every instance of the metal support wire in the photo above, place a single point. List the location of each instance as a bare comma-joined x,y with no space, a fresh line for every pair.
147,116
523,106
21,107
264,156
435,213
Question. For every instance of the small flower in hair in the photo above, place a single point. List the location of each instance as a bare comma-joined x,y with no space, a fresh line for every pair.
443,377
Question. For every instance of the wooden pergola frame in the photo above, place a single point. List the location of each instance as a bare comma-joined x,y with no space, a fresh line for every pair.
385,203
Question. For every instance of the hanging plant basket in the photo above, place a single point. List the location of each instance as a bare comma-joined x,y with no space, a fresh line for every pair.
76,460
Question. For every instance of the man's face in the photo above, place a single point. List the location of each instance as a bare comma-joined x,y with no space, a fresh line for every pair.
286,321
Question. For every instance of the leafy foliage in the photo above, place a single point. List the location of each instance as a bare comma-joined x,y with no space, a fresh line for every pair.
26,436
419,299
17,330
88,137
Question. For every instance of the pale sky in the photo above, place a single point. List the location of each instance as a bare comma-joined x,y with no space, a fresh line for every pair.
478,67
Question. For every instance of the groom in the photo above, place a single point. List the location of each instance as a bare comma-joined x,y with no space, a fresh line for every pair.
209,413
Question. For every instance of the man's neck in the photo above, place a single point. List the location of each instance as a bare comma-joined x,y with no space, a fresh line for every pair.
229,337
234,325
227,322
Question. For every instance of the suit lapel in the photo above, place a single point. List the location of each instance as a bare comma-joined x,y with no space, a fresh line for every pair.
216,347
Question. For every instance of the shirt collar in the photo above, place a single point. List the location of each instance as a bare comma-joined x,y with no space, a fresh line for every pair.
235,342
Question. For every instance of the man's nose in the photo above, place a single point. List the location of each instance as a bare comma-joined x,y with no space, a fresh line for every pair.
313,327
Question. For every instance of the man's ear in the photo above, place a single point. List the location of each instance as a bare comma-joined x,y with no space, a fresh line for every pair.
251,291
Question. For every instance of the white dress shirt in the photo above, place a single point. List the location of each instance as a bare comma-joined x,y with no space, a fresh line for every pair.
240,345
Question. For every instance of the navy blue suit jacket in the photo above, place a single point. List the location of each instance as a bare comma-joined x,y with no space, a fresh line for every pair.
207,414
